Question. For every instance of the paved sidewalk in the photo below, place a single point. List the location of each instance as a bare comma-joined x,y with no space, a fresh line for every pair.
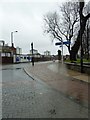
71,73
72,84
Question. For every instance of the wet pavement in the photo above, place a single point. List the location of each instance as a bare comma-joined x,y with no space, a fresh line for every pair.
24,97
60,78
0,92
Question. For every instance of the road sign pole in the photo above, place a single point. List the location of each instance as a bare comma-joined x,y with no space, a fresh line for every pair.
32,54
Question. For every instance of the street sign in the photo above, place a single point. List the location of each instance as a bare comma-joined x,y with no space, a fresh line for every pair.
65,42
61,45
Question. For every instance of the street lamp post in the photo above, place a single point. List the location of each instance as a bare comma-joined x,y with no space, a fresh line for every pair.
12,43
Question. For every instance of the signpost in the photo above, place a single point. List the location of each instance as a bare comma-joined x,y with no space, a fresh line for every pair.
32,54
65,42
61,45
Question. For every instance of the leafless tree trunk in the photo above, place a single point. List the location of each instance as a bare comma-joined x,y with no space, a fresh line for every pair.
76,46
86,40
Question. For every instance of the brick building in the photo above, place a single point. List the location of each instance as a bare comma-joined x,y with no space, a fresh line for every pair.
6,53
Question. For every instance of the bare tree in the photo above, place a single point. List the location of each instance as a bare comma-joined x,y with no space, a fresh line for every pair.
52,25
63,26
68,27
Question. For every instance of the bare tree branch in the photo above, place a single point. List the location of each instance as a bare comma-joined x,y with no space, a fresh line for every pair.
88,16
67,26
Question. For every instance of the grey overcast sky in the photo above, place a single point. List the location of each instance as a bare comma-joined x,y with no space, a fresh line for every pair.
26,16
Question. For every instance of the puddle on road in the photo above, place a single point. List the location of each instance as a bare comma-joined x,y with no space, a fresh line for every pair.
11,68
58,68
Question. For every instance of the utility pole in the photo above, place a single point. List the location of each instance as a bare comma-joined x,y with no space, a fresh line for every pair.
32,54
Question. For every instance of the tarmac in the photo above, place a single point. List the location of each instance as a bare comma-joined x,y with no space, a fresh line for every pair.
47,90
27,98
73,84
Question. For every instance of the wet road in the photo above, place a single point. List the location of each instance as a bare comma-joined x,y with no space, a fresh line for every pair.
23,97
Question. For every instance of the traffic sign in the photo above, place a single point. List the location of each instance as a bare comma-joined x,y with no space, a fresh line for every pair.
59,43
65,42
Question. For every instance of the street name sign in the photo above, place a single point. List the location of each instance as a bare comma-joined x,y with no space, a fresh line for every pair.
65,42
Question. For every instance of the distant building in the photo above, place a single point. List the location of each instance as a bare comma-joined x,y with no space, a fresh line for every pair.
25,58
34,51
47,53
6,53
18,50
6,50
